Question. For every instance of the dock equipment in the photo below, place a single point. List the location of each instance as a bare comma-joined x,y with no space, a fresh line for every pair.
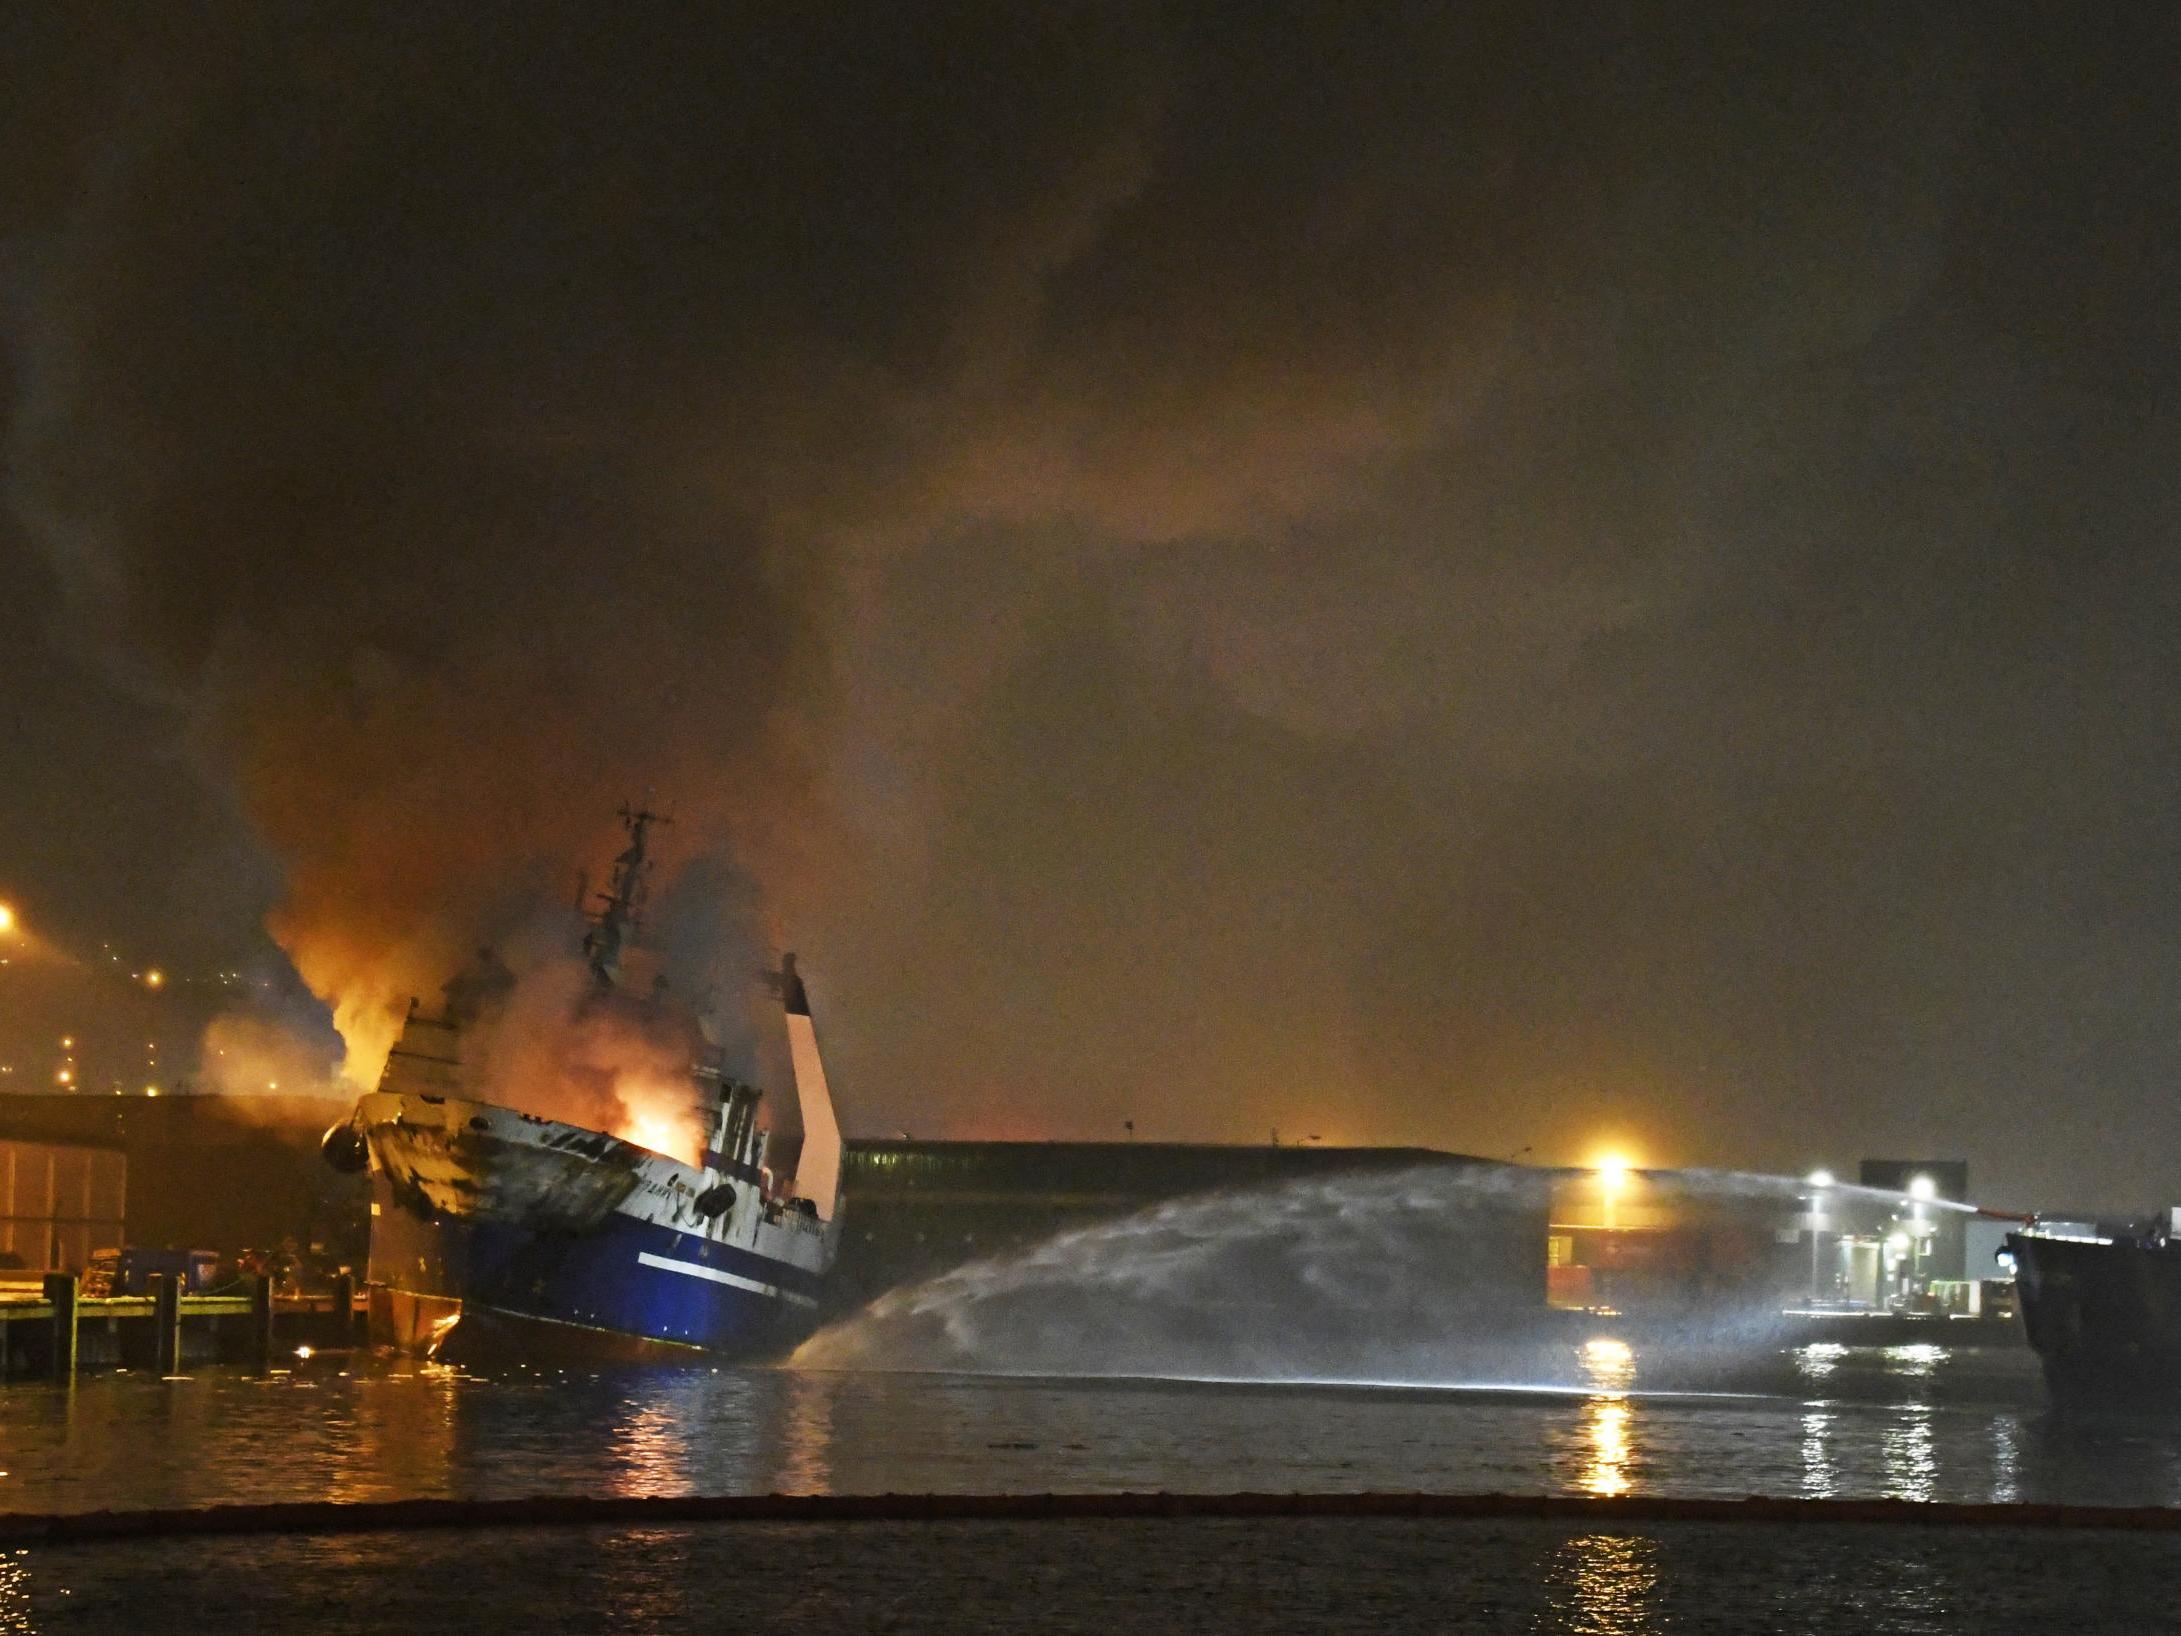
55,1329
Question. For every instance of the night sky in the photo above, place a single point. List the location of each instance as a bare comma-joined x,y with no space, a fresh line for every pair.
1499,577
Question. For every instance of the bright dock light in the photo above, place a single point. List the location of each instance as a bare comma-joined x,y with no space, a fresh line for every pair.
7,919
1922,1187
1821,1178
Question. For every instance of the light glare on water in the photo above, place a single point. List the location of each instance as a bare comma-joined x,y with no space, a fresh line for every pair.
1963,1425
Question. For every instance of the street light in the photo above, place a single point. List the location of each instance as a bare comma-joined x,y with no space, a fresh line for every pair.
7,919
1612,1177
1820,1180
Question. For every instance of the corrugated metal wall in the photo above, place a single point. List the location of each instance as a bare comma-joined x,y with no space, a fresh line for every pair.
59,1203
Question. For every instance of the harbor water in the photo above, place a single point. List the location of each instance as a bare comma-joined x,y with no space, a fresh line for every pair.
1913,1422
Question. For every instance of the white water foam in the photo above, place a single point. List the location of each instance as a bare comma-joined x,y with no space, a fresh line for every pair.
1376,1275
1410,1277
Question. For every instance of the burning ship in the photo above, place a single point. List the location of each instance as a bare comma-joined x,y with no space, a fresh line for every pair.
498,1232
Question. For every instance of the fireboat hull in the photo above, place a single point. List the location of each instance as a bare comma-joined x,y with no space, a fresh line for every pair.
2104,1318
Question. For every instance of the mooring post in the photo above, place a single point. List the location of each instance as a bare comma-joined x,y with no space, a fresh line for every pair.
344,1309
261,1321
166,1321
60,1295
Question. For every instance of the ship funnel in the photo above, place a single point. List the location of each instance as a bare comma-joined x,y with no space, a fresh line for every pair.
818,1169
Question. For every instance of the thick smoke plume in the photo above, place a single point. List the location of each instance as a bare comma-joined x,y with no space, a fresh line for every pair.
244,1053
555,1047
1467,574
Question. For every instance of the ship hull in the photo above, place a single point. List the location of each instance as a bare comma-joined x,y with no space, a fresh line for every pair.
2104,1318
495,1235
642,1282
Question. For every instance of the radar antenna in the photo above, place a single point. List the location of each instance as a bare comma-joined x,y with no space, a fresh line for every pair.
623,899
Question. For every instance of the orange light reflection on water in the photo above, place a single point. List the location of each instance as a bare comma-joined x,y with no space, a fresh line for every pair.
15,1610
806,1453
1606,1425
650,1448
1608,1417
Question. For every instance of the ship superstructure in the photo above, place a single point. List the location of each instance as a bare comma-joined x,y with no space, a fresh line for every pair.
496,1230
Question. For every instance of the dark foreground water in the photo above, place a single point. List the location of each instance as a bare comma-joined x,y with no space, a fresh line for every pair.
1117,1577
1910,1422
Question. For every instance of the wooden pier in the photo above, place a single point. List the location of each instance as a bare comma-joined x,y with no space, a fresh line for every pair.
53,1329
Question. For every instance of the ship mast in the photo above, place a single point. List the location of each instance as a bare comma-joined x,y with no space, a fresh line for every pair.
623,899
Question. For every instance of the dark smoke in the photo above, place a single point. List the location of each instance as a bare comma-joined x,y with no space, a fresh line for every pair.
1476,575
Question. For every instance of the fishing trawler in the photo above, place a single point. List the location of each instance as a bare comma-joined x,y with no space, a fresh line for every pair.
498,1233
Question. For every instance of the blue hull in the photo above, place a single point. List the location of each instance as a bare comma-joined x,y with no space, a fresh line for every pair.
627,1280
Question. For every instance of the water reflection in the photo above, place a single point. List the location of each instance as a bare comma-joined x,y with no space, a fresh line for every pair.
15,1594
806,1435
1605,1585
1610,1367
1918,1362
401,1435
1912,1467
650,1450
1817,1461
390,1430
642,1581
1607,1426
2006,1460
1818,1360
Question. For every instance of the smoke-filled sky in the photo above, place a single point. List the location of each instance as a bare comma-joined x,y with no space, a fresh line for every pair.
1500,577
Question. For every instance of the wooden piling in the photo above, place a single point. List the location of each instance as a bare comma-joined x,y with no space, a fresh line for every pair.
60,1295
344,1309
166,1324
261,1321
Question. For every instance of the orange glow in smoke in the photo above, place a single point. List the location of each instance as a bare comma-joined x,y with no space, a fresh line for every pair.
660,1135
